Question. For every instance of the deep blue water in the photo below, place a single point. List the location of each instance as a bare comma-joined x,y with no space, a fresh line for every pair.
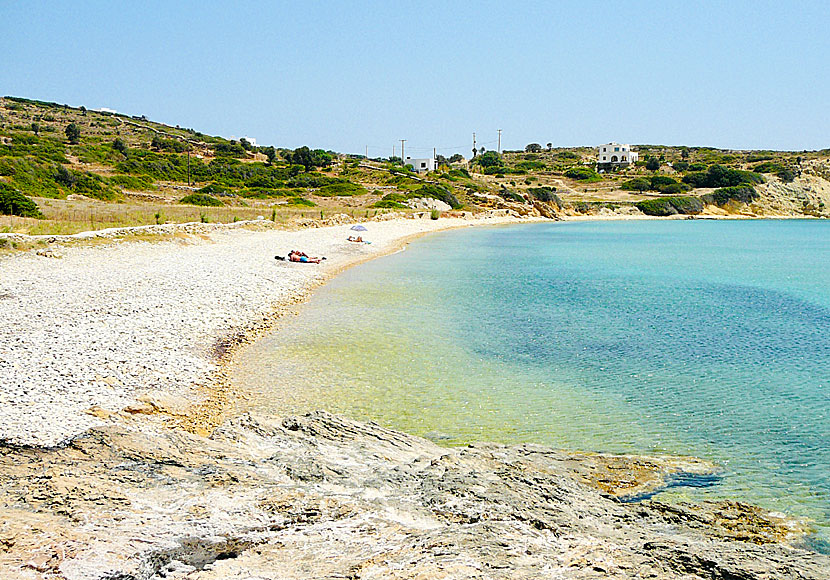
705,338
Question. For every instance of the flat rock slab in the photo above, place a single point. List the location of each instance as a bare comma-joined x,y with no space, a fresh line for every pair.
319,496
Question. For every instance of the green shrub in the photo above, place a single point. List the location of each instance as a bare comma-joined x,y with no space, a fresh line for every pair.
511,196
201,199
388,203
768,167
740,193
547,194
215,189
531,165
12,202
680,165
341,188
132,182
786,175
653,164
697,166
637,184
437,192
300,202
672,188
83,183
664,206
720,176
586,174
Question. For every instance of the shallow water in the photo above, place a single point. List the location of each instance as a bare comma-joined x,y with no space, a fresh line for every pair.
695,337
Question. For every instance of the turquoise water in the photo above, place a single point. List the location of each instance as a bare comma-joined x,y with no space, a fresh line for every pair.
695,337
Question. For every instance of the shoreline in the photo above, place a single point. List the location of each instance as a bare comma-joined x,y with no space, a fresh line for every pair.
137,327
238,495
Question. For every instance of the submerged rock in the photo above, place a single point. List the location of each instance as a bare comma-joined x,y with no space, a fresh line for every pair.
325,497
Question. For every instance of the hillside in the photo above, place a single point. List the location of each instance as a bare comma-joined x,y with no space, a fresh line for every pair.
119,170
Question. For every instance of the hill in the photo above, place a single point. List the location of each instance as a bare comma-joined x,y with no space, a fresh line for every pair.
95,169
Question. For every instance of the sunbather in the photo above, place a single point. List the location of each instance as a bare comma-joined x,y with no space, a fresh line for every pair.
298,256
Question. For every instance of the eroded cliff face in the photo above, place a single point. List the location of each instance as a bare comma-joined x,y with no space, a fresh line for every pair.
324,497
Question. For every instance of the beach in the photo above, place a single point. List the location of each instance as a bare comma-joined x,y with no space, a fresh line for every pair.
124,456
112,325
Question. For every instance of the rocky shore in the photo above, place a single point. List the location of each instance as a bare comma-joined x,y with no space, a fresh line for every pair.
109,348
319,496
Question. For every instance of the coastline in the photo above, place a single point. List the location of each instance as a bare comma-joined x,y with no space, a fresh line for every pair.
143,328
231,496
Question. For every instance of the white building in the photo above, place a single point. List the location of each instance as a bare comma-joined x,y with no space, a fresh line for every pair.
616,154
421,165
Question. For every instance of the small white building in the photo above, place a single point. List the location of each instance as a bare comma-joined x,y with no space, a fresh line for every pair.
421,165
616,154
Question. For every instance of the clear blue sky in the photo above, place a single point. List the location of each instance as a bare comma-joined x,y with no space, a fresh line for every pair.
739,74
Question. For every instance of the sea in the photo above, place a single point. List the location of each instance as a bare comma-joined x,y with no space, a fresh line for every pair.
690,337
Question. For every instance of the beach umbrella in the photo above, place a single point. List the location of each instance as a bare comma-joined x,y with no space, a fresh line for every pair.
359,228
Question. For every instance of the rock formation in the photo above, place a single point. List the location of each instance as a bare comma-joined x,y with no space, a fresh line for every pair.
319,496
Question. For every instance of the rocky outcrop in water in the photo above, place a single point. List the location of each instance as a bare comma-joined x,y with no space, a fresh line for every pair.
319,496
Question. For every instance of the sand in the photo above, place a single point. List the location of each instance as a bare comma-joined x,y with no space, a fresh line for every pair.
96,329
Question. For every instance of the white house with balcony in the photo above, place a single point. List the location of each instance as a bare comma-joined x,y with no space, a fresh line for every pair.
421,165
616,154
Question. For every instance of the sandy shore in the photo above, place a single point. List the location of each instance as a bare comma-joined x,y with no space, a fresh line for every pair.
90,330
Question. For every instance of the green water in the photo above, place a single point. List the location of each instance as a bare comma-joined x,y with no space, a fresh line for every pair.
686,337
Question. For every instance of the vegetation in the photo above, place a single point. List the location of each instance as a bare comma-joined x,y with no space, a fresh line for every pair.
12,202
201,199
586,174
73,133
720,176
664,206
739,193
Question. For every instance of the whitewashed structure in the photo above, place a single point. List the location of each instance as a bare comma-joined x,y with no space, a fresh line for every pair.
421,165
616,154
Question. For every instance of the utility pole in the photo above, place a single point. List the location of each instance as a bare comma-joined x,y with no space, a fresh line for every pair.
499,149
403,159
393,150
474,144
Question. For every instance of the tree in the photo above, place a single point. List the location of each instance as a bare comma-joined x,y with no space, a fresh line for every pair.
684,153
489,159
271,153
73,133
456,158
550,146
533,148
653,164
12,202
120,146
36,128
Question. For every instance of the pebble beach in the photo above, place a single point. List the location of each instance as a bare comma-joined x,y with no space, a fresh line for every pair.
97,326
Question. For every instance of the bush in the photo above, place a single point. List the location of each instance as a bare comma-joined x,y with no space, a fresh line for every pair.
132,182
663,206
786,175
720,176
12,202
215,189
637,184
680,165
653,164
545,194
201,199
300,202
741,193
343,188
672,188
511,196
583,174
388,203
437,192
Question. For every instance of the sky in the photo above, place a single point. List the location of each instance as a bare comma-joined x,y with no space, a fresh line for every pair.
346,76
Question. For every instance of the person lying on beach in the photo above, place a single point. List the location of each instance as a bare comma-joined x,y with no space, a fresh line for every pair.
355,239
298,256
